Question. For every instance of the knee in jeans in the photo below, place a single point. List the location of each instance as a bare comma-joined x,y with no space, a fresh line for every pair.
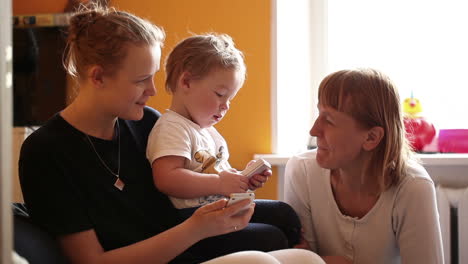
286,212
275,239
286,209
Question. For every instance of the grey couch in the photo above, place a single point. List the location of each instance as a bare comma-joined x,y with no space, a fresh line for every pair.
32,242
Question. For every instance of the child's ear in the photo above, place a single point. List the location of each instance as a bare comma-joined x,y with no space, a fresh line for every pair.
374,136
184,81
96,75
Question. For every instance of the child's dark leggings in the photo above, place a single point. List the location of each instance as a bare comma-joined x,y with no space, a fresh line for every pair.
274,225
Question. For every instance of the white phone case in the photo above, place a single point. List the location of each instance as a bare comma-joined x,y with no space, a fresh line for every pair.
258,167
237,197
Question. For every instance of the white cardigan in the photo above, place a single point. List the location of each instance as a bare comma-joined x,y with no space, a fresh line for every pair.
402,227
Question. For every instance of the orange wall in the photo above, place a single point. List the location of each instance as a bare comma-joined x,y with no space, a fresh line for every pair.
25,7
247,127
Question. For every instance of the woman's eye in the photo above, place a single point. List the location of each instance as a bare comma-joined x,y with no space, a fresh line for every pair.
144,80
326,120
218,94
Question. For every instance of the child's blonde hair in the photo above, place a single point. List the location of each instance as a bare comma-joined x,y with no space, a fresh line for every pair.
200,54
99,35
371,98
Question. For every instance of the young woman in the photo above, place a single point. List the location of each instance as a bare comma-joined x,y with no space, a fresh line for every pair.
84,174
360,195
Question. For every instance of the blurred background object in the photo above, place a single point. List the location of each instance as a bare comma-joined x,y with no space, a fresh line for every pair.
419,131
453,140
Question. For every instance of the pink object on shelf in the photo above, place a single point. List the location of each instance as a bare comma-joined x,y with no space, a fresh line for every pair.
453,140
419,132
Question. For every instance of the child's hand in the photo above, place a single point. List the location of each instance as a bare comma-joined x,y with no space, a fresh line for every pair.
258,180
232,182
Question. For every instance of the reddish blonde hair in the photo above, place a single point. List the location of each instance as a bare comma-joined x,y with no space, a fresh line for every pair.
99,35
371,98
200,54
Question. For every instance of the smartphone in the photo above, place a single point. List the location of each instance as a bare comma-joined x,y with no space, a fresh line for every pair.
257,167
237,197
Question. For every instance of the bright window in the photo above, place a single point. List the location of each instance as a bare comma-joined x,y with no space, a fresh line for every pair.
421,45
299,64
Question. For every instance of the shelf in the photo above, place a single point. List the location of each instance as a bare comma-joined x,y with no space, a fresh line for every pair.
446,169
437,159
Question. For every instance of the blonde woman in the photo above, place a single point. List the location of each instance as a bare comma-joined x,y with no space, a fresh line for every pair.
360,195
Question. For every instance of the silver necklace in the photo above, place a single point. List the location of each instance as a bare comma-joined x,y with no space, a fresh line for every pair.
119,184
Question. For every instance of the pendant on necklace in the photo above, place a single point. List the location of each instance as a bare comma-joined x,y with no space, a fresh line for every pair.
119,184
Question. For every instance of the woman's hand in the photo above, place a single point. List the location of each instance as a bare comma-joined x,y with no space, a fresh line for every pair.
215,219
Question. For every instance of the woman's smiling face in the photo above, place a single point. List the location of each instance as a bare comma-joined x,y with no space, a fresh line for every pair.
132,84
339,139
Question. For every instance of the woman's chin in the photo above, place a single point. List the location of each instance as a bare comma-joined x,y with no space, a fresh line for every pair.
138,116
321,160
321,153
134,115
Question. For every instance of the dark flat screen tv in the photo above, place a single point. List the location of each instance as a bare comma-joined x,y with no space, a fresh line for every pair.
39,79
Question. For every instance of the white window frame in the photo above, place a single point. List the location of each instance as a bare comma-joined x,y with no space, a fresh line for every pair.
310,19
6,128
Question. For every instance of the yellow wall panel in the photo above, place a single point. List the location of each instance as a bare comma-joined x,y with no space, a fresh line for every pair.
247,126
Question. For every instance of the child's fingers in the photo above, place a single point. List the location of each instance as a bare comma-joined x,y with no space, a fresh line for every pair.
259,177
254,184
244,184
258,180
267,173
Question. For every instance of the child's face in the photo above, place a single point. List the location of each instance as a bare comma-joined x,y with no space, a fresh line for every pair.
207,99
132,84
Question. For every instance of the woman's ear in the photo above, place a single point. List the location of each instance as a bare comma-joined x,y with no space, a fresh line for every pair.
374,136
96,75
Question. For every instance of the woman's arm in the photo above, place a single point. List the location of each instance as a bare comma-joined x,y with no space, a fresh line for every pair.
209,220
170,177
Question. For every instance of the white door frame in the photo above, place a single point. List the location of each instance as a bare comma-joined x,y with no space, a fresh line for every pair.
6,130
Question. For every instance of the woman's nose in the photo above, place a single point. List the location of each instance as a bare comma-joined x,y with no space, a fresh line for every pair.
151,91
314,131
